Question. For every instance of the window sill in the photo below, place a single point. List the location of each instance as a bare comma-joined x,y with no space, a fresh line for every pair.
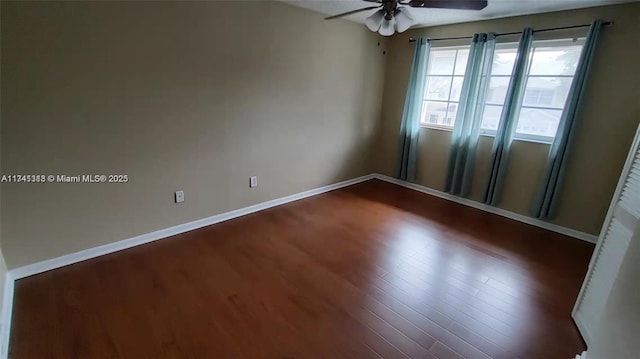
542,142
523,139
520,139
438,128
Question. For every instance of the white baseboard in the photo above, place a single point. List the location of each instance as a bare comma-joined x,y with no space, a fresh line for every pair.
47,265
39,267
487,208
5,313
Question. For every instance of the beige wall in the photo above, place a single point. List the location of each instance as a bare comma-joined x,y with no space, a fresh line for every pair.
179,97
3,266
195,96
608,118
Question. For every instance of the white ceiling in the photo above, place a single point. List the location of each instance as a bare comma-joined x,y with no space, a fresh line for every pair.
431,17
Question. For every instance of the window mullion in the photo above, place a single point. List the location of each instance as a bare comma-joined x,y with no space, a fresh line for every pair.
453,73
526,82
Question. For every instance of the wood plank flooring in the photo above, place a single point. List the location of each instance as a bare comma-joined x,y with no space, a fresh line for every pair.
369,271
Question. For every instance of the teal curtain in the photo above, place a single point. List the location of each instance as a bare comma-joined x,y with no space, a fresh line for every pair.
410,126
466,131
508,120
545,202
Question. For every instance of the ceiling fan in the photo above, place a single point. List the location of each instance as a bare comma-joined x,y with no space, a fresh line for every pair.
392,15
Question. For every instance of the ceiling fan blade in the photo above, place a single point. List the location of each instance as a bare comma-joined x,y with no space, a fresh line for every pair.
351,12
450,4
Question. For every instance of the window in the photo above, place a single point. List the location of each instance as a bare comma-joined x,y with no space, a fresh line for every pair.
549,75
541,97
501,69
445,73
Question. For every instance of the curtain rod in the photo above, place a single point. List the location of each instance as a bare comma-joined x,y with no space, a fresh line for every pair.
517,32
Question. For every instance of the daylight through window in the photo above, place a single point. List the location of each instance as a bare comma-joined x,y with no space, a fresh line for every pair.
445,72
548,80
549,75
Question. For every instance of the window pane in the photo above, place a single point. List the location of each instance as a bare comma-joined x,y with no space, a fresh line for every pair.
555,60
438,88
443,88
503,61
461,62
441,62
456,88
538,122
433,113
497,90
491,117
450,118
547,91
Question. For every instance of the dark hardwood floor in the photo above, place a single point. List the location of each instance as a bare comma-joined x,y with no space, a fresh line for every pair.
373,270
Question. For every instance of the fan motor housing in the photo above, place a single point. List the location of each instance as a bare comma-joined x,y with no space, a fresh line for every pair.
389,8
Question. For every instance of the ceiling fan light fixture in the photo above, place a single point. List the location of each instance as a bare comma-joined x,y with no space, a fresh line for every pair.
403,20
388,27
374,21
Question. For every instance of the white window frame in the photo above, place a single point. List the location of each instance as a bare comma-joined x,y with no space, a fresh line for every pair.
534,45
426,124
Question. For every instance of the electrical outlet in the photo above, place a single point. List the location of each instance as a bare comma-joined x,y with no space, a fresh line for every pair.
179,196
253,181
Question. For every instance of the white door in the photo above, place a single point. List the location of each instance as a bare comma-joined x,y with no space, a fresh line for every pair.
613,242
